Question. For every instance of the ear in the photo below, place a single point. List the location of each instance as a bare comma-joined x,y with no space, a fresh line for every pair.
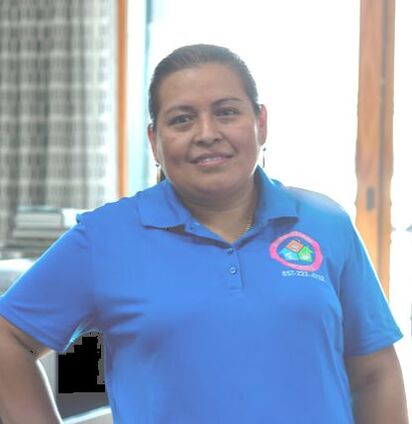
262,125
151,133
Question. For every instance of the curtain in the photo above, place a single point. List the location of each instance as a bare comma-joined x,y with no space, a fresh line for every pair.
57,104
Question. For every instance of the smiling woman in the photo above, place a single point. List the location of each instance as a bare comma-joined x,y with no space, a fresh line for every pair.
207,136
222,295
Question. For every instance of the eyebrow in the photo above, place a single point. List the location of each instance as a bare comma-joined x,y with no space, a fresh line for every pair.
188,108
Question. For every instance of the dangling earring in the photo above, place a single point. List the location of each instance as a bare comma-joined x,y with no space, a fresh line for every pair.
263,157
160,176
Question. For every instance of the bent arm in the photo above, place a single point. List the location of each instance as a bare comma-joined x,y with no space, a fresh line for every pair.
377,388
25,395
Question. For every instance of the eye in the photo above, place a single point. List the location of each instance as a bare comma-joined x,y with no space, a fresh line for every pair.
181,119
227,112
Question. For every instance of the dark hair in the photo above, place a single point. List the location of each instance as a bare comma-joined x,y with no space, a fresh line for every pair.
195,55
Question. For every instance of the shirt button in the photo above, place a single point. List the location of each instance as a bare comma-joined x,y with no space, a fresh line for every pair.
233,270
230,250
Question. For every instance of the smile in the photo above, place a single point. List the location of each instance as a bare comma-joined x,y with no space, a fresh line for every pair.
208,160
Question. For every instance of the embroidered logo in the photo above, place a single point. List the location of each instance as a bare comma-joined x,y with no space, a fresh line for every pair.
297,251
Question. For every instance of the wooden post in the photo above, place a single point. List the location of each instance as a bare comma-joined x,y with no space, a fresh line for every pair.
122,97
374,159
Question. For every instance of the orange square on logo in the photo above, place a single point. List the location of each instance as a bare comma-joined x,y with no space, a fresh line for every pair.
294,246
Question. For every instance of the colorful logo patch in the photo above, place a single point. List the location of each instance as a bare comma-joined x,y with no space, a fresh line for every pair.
298,251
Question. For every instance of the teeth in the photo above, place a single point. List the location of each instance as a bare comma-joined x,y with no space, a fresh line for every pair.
208,160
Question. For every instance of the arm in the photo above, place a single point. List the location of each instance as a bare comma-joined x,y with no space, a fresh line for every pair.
24,392
377,388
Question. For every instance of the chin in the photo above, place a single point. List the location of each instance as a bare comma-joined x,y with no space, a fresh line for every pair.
217,189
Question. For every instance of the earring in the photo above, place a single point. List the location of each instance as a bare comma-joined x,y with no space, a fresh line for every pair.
160,176
263,157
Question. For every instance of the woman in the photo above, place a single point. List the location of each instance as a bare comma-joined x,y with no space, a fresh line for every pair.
223,296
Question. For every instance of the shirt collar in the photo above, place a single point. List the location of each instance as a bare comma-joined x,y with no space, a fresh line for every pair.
275,200
159,206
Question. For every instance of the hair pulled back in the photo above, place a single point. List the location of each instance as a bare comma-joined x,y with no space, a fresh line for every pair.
195,55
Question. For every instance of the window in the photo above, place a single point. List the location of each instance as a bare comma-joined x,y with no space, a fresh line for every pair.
304,57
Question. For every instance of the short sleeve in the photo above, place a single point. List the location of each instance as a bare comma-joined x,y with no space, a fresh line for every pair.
368,322
53,301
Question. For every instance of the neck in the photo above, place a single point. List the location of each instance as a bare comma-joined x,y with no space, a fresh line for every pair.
229,219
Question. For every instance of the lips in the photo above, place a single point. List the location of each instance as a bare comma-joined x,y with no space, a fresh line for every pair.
210,158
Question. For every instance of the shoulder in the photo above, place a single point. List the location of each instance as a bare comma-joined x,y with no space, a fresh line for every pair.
315,200
322,215
317,205
112,214
310,209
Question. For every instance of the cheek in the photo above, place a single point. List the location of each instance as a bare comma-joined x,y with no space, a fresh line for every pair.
246,129
171,150
247,138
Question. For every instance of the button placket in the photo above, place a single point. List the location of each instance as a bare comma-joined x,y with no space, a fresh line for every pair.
233,275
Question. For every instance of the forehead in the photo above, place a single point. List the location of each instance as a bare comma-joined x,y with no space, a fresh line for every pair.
203,83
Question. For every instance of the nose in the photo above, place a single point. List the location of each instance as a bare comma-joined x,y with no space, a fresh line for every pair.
207,130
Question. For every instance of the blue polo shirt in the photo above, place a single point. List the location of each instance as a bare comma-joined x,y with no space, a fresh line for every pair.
200,331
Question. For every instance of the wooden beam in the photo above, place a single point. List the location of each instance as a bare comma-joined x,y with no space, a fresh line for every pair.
374,159
122,97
